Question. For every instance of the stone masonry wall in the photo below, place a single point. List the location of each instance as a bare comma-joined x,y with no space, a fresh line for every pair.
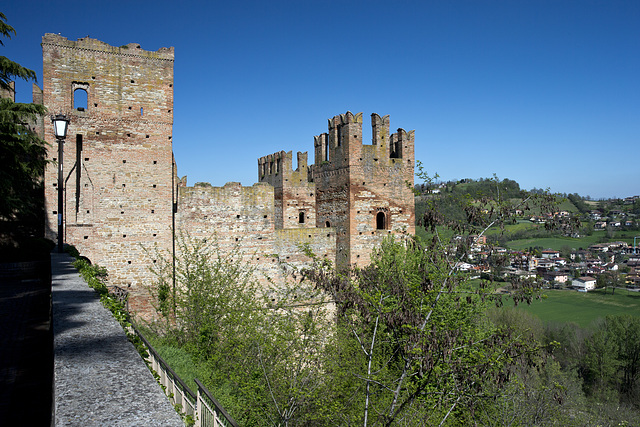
117,155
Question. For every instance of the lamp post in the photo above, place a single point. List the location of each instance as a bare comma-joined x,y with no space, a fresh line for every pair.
60,124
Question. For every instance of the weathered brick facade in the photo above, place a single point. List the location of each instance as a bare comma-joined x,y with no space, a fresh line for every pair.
118,152
122,194
364,191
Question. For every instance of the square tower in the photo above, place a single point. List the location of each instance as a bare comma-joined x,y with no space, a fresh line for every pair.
364,191
118,162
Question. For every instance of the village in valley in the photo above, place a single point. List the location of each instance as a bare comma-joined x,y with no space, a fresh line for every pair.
599,251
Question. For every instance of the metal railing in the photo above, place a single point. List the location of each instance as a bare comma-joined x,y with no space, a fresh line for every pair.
210,412
201,407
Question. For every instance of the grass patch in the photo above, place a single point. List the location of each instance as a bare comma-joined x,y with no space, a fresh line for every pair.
583,308
557,243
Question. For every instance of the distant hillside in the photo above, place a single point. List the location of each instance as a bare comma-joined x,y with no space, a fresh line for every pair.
447,201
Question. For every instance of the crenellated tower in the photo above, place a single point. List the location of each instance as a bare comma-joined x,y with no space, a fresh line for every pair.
364,191
294,195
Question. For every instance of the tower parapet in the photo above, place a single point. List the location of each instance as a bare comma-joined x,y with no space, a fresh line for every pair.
294,194
277,168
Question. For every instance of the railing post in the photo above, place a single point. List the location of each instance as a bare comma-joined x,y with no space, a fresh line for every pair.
198,413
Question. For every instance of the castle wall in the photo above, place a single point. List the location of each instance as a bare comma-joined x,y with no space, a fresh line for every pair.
122,194
117,155
231,214
289,242
243,218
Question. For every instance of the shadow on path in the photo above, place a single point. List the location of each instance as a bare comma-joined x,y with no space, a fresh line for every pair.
26,349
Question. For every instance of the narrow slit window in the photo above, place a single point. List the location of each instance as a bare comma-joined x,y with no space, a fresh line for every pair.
381,221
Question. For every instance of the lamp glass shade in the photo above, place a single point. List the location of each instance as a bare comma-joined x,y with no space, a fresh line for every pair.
60,124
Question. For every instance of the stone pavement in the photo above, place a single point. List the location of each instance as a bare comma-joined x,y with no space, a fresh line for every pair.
99,377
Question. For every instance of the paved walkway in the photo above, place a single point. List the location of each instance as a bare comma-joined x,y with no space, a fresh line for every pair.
99,377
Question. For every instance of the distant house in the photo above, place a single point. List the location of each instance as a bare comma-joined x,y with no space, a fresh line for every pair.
549,253
546,264
600,247
585,283
584,255
479,240
465,266
556,276
633,280
560,262
600,225
611,266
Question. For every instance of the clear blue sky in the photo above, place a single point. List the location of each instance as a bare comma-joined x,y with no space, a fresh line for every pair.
543,92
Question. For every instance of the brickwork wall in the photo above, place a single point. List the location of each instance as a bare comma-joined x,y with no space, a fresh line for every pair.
118,153
243,218
356,184
295,199
10,93
231,214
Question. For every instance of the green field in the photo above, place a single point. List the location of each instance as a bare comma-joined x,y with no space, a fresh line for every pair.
583,308
557,243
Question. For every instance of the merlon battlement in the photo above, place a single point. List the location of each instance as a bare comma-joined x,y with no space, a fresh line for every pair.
277,168
342,145
343,119
87,43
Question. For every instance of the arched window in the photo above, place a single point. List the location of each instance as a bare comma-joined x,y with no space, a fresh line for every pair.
301,217
327,224
381,221
80,99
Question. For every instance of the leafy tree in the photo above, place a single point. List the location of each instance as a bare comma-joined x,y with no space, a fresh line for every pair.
22,153
420,342
612,360
579,203
609,279
260,347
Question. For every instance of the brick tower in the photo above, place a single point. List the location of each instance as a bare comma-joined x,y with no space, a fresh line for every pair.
118,152
295,203
364,191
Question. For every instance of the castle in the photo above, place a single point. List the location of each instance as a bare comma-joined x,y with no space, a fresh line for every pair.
122,194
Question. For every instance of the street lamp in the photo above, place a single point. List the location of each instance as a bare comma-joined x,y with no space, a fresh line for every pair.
60,124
